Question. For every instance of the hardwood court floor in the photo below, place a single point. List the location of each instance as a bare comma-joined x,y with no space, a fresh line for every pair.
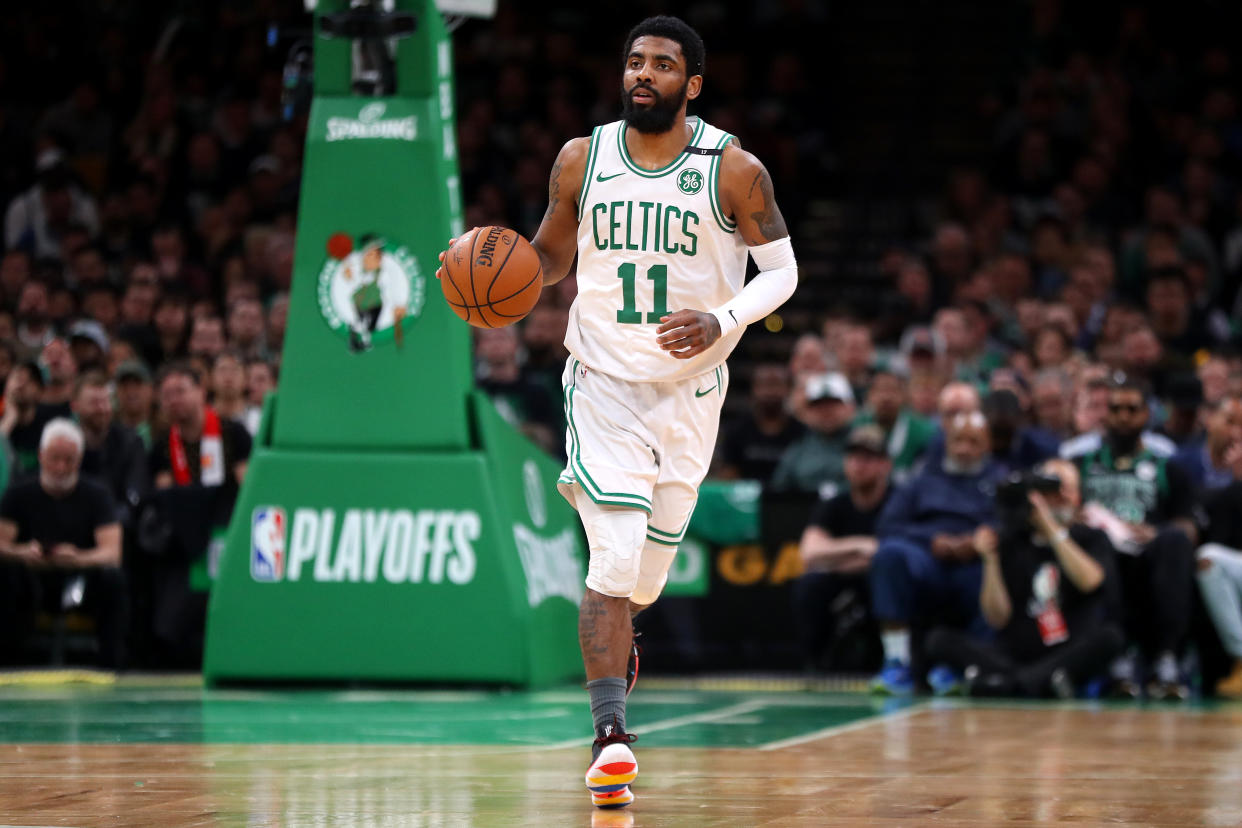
148,756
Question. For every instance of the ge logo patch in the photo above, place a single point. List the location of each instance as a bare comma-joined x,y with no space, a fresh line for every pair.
690,181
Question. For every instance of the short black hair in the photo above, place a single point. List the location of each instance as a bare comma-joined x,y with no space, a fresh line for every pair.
178,368
676,29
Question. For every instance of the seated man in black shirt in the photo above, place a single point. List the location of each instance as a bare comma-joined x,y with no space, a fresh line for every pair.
1044,589
837,546
1147,506
53,529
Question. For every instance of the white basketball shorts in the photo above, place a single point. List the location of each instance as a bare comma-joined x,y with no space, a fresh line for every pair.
645,445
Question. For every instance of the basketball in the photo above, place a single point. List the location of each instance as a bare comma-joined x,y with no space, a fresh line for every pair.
492,278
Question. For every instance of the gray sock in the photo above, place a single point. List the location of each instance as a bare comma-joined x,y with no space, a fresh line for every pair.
607,704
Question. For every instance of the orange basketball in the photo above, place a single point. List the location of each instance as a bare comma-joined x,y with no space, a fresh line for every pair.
493,278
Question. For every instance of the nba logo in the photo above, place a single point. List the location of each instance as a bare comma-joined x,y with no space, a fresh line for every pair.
267,544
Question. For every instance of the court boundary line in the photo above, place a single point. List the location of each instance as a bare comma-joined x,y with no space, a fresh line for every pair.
738,709
848,727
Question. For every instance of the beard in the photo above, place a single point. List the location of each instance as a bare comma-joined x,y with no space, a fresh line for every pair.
57,486
659,115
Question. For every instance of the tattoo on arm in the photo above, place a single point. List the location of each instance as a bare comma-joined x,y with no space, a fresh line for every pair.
554,189
769,221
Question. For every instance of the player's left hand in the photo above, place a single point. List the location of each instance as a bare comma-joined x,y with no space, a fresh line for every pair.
687,333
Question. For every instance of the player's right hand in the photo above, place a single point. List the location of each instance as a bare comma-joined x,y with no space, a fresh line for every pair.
444,252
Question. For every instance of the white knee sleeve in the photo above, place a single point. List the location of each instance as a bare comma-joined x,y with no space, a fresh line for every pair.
615,539
652,572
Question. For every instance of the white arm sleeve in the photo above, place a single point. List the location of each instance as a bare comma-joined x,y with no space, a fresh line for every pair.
775,283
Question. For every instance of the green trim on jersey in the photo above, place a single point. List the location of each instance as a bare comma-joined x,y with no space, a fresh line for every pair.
662,541
588,483
592,154
667,168
713,187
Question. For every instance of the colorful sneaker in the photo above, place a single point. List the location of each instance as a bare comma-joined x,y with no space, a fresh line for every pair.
631,666
945,681
612,770
613,800
893,680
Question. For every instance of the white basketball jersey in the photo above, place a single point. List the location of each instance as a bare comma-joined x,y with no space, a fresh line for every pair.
651,242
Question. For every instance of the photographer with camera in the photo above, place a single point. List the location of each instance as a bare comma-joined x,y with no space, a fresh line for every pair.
1044,591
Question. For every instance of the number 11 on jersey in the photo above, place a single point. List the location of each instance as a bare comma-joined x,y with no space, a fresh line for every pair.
629,313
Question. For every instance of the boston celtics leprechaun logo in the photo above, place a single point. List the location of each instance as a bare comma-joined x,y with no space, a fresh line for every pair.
369,292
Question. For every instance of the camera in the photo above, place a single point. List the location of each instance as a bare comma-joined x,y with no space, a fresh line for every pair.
1012,506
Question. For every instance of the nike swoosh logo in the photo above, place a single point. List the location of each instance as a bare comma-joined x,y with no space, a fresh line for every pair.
704,393
601,177
735,322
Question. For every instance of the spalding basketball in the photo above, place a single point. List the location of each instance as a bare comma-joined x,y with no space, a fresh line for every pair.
492,278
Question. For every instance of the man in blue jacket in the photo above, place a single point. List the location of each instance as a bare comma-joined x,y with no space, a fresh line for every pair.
926,564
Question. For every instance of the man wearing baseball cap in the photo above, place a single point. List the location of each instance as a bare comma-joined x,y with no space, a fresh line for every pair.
815,462
836,548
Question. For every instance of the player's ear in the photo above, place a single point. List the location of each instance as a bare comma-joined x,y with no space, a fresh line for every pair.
694,86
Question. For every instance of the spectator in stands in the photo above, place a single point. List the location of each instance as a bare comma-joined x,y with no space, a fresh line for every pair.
246,328
525,404
228,386
37,220
172,315
34,321
1015,446
751,446
260,379
62,374
113,454
1052,393
135,399
1146,505
25,416
1220,573
838,544
1213,375
54,530
199,447
1044,591
815,462
1171,311
1183,410
855,357
808,358
206,338
906,434
926,566
89,345
1210,461
1093,411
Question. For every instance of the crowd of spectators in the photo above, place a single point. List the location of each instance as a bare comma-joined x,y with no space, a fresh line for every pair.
148,189
1071,296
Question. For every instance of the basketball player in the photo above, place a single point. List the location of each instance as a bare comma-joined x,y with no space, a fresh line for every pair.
661,210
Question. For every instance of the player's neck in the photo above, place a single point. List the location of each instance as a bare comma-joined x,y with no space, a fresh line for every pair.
651,151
